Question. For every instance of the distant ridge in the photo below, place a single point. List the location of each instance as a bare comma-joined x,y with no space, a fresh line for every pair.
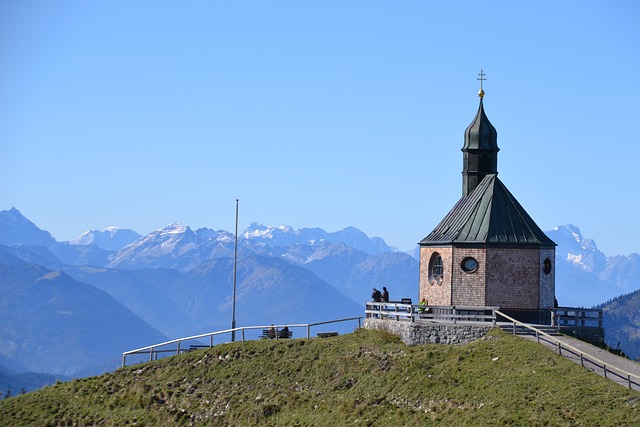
15,229
179,280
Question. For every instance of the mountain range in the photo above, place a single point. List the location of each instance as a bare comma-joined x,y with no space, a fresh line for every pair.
71,308
585,276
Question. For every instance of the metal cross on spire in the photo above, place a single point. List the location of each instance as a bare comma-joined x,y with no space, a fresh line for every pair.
481,78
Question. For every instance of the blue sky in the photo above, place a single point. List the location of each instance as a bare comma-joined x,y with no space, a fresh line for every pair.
316,114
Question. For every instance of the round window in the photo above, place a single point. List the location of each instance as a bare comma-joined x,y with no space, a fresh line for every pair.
469,264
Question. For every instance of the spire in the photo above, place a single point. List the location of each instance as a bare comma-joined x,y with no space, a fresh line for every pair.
480,150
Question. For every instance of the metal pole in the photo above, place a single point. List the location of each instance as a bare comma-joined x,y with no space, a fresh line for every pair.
235,262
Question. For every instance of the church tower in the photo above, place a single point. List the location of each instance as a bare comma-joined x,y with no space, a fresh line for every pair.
487,251
480,150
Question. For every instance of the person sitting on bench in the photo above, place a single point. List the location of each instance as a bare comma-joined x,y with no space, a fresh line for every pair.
422,306
284,332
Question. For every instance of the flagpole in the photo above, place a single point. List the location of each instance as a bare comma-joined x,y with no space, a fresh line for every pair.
235,262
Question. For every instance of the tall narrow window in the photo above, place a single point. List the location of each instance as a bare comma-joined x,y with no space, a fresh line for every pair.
436,268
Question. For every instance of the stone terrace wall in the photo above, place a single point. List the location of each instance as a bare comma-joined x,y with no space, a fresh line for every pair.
591,335
434,333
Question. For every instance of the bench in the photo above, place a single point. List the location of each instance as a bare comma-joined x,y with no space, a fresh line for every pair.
327,334
271,334
285,334
197,347
268,334
402,301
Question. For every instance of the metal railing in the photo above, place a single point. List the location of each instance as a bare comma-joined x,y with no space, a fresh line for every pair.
434,313
181,345
628,378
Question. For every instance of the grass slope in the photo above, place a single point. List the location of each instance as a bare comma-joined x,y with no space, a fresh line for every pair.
366,378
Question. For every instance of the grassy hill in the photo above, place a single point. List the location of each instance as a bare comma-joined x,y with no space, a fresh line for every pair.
366,378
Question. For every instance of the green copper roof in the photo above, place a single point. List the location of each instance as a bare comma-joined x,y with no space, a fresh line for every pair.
480,134
488,215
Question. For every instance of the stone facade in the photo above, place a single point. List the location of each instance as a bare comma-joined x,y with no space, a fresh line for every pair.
469,288
513,278
593,335
436,291
547,278
436,333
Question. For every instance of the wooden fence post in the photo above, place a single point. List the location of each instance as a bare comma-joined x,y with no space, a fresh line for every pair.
600,319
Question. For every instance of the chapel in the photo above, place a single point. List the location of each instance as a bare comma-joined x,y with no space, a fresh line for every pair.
487,251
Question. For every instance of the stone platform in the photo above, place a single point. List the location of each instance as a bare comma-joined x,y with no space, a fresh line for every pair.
414,333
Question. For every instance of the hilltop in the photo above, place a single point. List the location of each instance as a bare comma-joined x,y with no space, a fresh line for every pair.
364,378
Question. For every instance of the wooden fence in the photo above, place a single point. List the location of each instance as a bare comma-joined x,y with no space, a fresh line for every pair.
631,380
181,345
576,317
434,313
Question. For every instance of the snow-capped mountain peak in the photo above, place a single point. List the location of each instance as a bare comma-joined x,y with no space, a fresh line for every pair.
573,247
111,239
174,228
175,245
287,235
260,231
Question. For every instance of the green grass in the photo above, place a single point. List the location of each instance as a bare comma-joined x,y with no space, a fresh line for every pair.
367,378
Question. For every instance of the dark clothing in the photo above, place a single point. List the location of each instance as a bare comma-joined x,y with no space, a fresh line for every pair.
284,333
385,295
376,296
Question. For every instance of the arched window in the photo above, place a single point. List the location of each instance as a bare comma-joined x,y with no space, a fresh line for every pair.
546,266
436,268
